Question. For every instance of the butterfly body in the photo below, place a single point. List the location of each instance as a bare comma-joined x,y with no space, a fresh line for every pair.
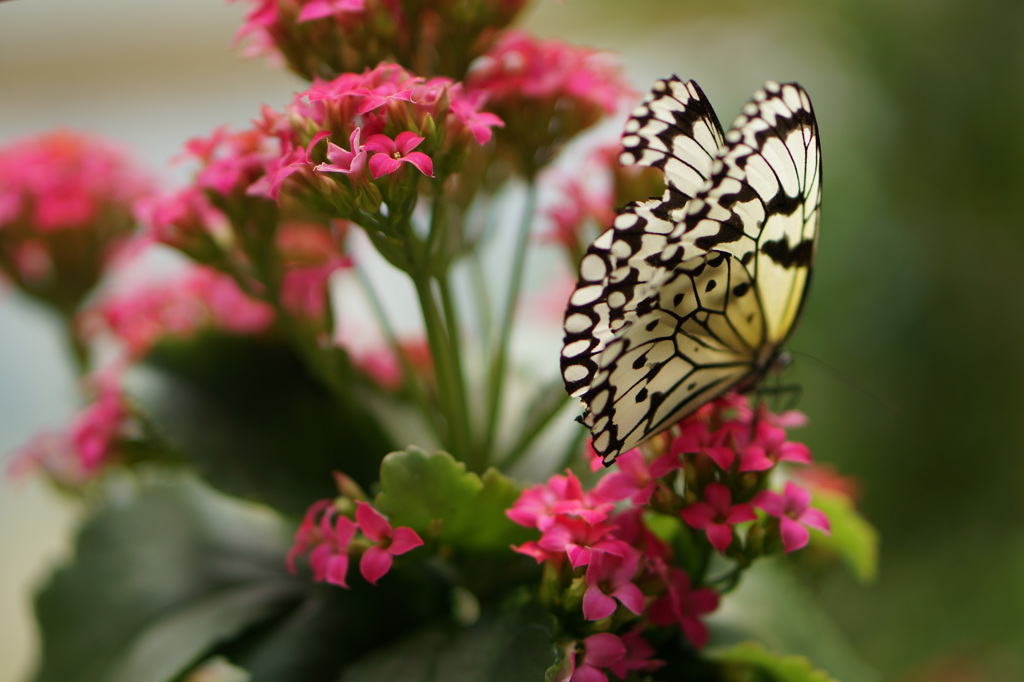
693,294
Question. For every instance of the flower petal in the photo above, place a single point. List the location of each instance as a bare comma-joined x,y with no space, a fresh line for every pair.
403,540
597,605
794,535
422,163
383,164
375,563
372,522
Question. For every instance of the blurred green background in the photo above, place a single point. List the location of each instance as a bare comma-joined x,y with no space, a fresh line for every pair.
910,352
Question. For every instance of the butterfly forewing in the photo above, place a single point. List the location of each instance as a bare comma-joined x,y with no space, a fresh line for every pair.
762,202
692,294
674,129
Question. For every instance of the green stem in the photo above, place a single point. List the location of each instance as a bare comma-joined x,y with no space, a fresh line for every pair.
444,366
408,373
496,373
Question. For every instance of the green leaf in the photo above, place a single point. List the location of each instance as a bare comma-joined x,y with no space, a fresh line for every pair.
420,489
157,582
773,608
256,424
853,539
750,662
506,647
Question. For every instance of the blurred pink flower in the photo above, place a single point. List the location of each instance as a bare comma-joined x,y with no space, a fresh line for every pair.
318,9
609,579
601,651
325,535
795,514
682,605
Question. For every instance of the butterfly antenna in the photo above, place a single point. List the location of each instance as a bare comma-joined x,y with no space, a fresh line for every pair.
891,410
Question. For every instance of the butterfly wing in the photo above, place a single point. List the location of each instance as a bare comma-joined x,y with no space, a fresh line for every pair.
674,129
693,337
676,344
762,202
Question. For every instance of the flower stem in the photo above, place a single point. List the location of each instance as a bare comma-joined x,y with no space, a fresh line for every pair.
496,371
408,374
445,367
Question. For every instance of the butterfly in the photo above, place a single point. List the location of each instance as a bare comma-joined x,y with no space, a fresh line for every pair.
692,294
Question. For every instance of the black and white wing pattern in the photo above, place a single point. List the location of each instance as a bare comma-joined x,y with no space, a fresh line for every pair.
709,310
674,129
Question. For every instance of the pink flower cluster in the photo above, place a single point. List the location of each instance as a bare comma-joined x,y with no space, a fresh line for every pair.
358,128
64,180
546,91
196,299
65,206
330,539
327,37
582,529
89,443
722,452
738,440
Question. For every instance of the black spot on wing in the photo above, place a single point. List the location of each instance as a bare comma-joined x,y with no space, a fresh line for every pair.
781,253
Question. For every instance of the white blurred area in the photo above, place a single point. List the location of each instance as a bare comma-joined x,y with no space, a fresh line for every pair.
155,73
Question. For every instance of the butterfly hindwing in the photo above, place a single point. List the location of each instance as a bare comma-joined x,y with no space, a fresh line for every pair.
692,338
674,129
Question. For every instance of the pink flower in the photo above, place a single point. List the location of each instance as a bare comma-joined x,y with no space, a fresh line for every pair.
195,299
639,655
578,540
770,444
318,9
635,479
540,505
716,515
734,436
465,108
96,427
327,541
389,542
350,161
795,514
600,651
84,448
65,180
823,477
682,605
521,68
696,436
390,154
609,579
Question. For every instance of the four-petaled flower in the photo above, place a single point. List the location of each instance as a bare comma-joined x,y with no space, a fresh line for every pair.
716,515
795,514
349,161
609,578
388,542
681,604
389,155
600,652
635,478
